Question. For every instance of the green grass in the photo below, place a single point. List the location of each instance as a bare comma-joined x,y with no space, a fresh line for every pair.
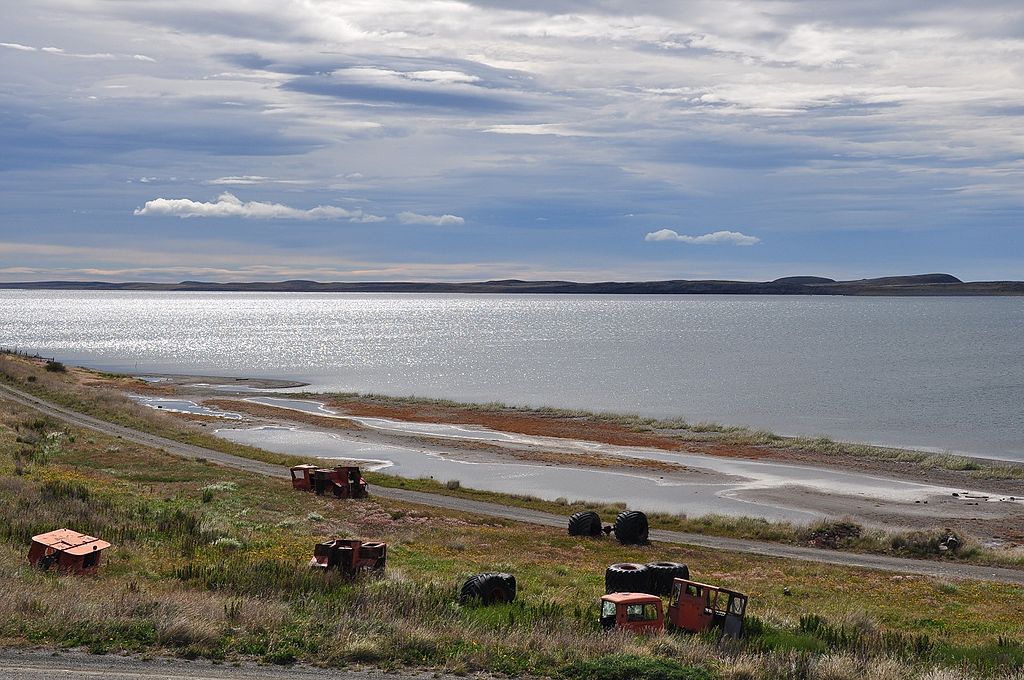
112,406
633,667
224,577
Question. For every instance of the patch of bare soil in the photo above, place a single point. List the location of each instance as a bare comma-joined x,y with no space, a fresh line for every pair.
511,421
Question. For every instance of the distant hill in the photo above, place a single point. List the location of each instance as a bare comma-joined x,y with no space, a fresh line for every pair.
916,285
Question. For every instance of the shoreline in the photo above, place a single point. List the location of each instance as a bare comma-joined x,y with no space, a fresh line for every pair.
957,498
746,434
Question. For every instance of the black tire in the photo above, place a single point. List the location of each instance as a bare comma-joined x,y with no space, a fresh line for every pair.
489,588
631,527
662,575
586,523
627,577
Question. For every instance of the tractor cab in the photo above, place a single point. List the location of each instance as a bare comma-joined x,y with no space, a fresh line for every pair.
635,612
67,551
696,607
302,477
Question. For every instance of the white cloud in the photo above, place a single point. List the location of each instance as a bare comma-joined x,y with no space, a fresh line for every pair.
436,220
536,129
228,205
442,76
61,52
734,238
240,179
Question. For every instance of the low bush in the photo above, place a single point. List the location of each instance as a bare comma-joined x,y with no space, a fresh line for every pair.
632,667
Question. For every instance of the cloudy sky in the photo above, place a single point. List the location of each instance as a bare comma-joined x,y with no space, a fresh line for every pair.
168,140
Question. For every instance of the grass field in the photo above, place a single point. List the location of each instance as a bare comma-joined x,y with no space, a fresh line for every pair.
211,562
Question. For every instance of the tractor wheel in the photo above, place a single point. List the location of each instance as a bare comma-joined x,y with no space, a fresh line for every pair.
490,588
663,573
586,523
631,527
627,577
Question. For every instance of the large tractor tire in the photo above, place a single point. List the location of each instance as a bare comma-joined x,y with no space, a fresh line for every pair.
631,527
586,523
627,577
663,573
489,587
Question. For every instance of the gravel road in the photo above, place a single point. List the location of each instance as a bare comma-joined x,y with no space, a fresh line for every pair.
37,664
932,568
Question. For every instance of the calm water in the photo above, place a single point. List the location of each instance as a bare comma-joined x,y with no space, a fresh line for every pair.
941,373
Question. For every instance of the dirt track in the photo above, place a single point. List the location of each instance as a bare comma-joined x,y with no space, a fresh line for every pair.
937,569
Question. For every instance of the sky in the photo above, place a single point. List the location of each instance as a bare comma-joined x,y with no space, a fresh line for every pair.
231,140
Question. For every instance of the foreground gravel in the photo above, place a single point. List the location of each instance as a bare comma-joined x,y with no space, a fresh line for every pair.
36,664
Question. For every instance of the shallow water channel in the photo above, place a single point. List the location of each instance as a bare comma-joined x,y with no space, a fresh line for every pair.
709,485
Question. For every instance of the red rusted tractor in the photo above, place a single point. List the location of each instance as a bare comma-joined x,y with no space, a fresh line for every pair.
350,556
342,481
692,606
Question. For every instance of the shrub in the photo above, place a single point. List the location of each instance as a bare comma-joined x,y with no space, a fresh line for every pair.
632,667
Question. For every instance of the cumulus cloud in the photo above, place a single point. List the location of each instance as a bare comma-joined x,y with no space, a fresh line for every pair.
228,205
436,220
733,238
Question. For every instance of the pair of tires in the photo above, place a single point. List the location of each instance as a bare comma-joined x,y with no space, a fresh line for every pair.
489,588
654,578
630,526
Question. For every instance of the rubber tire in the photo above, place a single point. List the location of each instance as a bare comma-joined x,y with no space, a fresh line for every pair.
627,577
631,527
664,573
489,588
586,523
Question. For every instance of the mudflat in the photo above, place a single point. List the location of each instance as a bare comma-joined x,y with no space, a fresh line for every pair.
782,480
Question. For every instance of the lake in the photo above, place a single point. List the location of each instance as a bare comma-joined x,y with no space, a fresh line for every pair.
945,374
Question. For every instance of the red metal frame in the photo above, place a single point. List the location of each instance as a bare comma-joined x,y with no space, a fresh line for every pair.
67,551
350,555
302,477
343,481
692,606
696,607
635,612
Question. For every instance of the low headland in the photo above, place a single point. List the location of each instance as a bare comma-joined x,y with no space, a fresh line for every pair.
210,562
